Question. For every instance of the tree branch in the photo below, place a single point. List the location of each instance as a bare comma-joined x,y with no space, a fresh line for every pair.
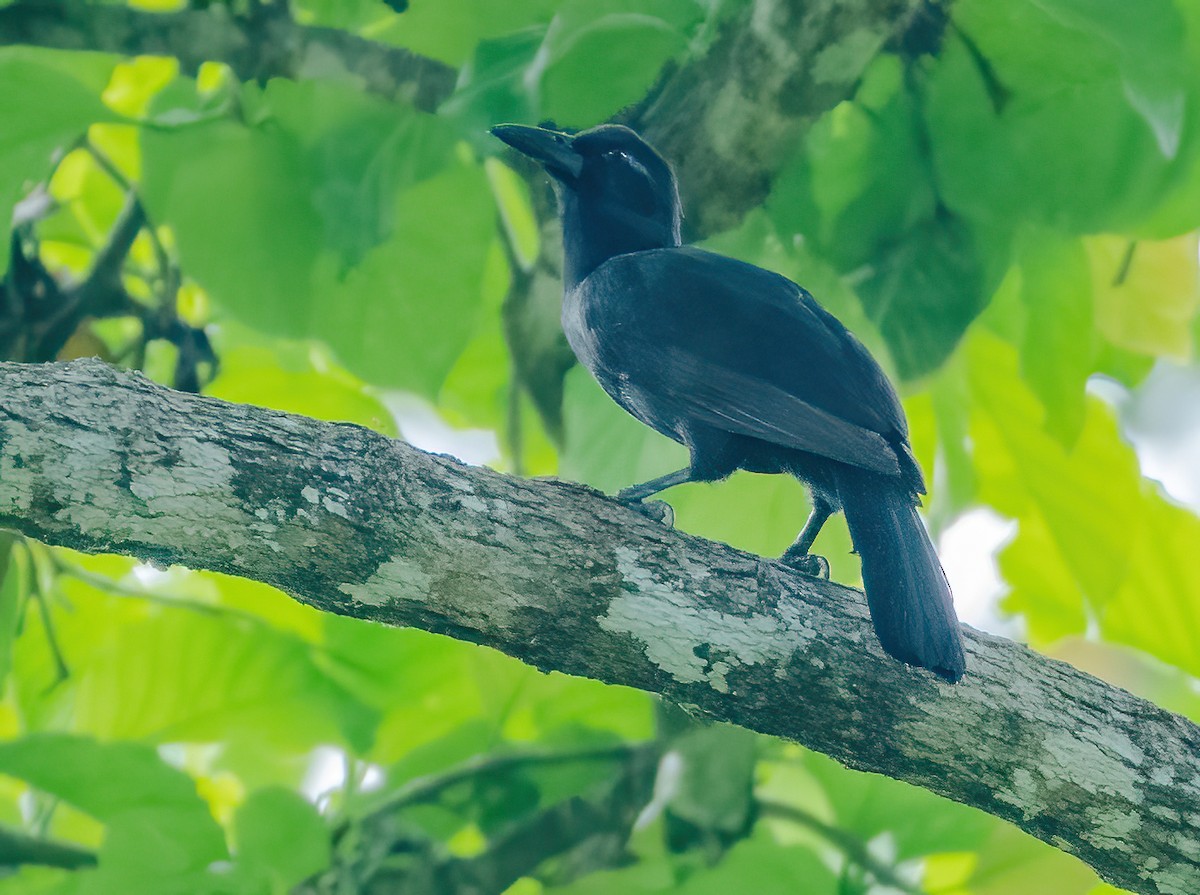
729,118
732,117
17,849
266,43
563,578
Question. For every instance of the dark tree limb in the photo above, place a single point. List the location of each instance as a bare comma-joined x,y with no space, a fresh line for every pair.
608,811
731,118
18,849
728,118
263,43
564,578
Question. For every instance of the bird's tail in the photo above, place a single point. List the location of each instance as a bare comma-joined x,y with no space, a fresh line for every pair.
907,590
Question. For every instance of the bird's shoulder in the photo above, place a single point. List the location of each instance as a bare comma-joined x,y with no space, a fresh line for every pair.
680,273
740,317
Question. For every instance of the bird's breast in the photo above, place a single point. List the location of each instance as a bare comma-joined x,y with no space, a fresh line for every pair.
593,345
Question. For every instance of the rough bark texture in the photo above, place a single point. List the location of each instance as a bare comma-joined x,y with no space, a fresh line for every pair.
729,119
264,44
563,578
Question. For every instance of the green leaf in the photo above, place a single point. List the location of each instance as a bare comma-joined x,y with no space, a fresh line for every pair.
13,578
1154,610
917,821
156,849
1149,41
424,685
760,865
862,179
240,202
48,102
716,787
1013,861
402,317
1087,497
1065,148
451,29
492,86
295,378
279,830
1095,539
147,671
104,779
1044,588
1147,293
1058,349
925,291
599,57
158,827
359,152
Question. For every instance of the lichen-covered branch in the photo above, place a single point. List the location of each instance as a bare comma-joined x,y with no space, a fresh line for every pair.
563,578
263,43
729,119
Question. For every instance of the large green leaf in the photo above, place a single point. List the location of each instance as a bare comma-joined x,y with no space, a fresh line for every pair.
403,316
359,152
47,103
862,192
153,672
1079,128
924,291
762,866
601,56
861,179
282,833
240,202
158,829
1058,348
493,87
326,219
1088,497
451,29
1157,607
917,822
1096,541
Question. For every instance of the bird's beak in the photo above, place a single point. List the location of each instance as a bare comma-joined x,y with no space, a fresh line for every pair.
551,148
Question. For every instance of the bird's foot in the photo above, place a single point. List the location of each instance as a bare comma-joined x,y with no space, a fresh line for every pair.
656,510
808,563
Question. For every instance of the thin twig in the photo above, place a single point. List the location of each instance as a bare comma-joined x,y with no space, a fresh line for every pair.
429,787
850,845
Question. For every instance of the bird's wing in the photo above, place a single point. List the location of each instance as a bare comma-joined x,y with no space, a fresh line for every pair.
728,400
744,350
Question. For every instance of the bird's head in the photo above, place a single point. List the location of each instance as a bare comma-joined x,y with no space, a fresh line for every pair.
617,194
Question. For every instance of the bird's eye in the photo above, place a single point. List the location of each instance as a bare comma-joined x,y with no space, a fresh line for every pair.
623,156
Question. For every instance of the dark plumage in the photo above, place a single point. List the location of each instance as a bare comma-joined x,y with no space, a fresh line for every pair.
743,367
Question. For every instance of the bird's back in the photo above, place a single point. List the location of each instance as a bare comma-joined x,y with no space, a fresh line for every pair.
754,340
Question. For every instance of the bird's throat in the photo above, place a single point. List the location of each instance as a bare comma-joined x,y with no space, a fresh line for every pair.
595,231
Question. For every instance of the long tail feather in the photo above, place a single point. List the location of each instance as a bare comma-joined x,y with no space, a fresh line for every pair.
907,591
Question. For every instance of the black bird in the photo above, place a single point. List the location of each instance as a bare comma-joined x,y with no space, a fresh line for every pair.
743,367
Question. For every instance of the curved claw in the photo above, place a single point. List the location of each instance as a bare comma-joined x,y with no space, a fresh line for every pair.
808,563
657,510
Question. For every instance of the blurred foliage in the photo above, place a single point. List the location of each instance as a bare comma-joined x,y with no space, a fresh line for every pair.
1001,221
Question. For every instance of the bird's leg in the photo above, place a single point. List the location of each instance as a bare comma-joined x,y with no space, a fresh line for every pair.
797,556
635,495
